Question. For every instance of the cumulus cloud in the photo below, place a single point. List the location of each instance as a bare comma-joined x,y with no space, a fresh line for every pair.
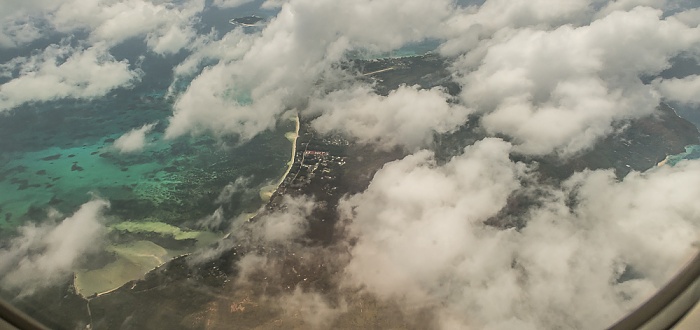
464,29
217,220
626,5
134,140
208,105
240,185
407,117
312,307
213,221
271,4
19,23
422,240
113,22
44,254
690,17
207,48
279,67
19,8
283,227
61,71
229,3
89,70
18,32
416,217
168,26
171,40
549,76
561,90
275,252
685,90
520,63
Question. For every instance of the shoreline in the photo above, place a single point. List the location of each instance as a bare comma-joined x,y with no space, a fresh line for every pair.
135,259
267,192
294,151
132,282
234,21
674,159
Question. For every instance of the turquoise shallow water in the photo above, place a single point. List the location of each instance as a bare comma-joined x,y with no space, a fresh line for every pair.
56,154
691,152
409,50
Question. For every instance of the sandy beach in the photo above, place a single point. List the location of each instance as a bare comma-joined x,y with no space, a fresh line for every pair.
267,191
136,259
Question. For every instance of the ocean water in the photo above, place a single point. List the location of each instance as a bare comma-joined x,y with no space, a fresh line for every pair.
691,152
58,155
54,155
409,50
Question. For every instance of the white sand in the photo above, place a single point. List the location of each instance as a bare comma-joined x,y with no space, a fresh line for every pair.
134,260
266,192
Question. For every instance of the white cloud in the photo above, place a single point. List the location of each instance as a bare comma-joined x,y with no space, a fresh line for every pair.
229,3
113,22
61,71
166,24
271,4
283,227
287,224
241,185
562,90
217,220
212,104
689,17
134,140
685,90
18,32
518,65
422,241
464,29
417,234
44,254
417,218
232,46
18,21
212,222
407,117
273,245
21,8
278,69
554,76
627,5
312,307
171,40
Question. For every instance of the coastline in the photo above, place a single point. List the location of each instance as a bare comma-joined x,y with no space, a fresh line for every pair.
140,261
133,262
135,259
268,191
674,159
294,150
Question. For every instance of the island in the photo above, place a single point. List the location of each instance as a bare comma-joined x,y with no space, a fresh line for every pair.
328,167
252,20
